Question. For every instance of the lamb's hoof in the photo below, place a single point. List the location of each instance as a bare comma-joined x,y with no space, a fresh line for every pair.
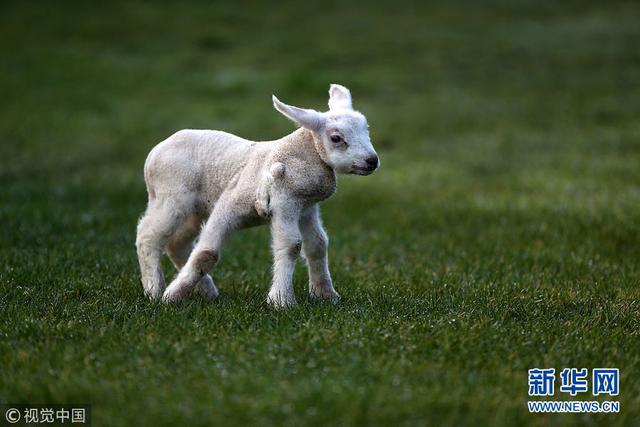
207,288
175,293
333,297
262,209
155,293
325,294
281,300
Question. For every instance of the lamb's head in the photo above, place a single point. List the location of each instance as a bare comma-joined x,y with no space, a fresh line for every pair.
342,131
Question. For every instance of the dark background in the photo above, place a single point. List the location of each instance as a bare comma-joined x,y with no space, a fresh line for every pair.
500,234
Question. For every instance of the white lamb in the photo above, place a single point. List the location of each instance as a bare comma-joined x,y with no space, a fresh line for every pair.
229,183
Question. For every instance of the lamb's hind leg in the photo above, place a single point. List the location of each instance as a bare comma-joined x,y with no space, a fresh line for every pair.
204,256
154,228
179,247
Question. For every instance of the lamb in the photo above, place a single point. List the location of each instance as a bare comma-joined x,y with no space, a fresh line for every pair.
208,184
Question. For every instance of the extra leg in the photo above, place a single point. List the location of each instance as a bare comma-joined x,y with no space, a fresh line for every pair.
314,248
263,194
180,246
286,249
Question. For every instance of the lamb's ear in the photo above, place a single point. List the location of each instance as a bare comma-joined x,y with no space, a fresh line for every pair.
339,97
309,119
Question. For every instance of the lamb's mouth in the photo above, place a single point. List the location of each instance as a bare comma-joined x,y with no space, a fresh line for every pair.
355,170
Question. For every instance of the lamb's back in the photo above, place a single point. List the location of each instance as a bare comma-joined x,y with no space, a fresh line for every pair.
190,159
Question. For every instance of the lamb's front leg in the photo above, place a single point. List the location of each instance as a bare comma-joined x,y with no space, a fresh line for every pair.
314,247
286,243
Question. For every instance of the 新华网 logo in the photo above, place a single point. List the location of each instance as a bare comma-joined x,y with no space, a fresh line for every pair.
574,381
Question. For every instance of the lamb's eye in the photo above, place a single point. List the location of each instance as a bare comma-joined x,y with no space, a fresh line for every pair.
336,138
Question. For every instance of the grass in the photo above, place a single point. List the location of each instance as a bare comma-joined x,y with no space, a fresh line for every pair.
500,234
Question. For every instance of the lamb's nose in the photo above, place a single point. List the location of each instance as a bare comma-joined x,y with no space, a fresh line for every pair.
372,161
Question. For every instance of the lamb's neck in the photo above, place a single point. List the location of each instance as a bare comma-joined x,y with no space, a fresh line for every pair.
303,139
314,179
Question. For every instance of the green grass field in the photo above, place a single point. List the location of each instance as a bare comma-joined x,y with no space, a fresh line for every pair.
500,234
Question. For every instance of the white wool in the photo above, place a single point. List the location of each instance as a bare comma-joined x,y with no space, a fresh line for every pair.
276,171
206,184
